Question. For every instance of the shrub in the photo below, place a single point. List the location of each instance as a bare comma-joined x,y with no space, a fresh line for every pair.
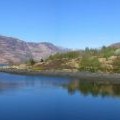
117,52
116,65
90,64
106,52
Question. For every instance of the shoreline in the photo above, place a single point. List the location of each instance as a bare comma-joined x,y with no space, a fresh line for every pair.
114,77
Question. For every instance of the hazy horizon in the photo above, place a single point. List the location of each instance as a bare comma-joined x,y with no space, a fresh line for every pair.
99,47
72,24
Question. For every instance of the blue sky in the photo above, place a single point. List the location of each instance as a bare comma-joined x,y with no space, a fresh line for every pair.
67,23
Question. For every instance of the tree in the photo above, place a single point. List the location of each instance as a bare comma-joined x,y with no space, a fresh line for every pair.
31,61
41,60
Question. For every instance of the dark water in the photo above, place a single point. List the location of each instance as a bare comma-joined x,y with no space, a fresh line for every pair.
55,98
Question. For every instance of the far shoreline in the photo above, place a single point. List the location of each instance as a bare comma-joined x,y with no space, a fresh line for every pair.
104,77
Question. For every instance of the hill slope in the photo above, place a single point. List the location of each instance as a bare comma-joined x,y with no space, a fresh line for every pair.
13,50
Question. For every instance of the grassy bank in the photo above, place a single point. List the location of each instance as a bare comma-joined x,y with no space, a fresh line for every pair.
106,60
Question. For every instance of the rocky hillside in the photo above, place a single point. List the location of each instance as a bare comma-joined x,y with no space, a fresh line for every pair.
13,50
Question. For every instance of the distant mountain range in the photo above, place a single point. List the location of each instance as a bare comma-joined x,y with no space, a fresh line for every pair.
115,45
13,50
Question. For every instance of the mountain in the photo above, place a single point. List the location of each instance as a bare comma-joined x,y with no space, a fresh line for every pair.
116,45
13,50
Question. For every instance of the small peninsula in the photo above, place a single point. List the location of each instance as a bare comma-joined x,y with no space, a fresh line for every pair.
91,63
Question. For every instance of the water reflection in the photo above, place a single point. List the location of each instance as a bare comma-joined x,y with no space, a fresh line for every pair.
9,82
94,88
8,86
85,87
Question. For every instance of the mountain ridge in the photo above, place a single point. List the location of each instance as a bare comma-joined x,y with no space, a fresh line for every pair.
14,50
115,45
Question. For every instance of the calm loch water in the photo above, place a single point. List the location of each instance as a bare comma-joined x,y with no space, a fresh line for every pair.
55,98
